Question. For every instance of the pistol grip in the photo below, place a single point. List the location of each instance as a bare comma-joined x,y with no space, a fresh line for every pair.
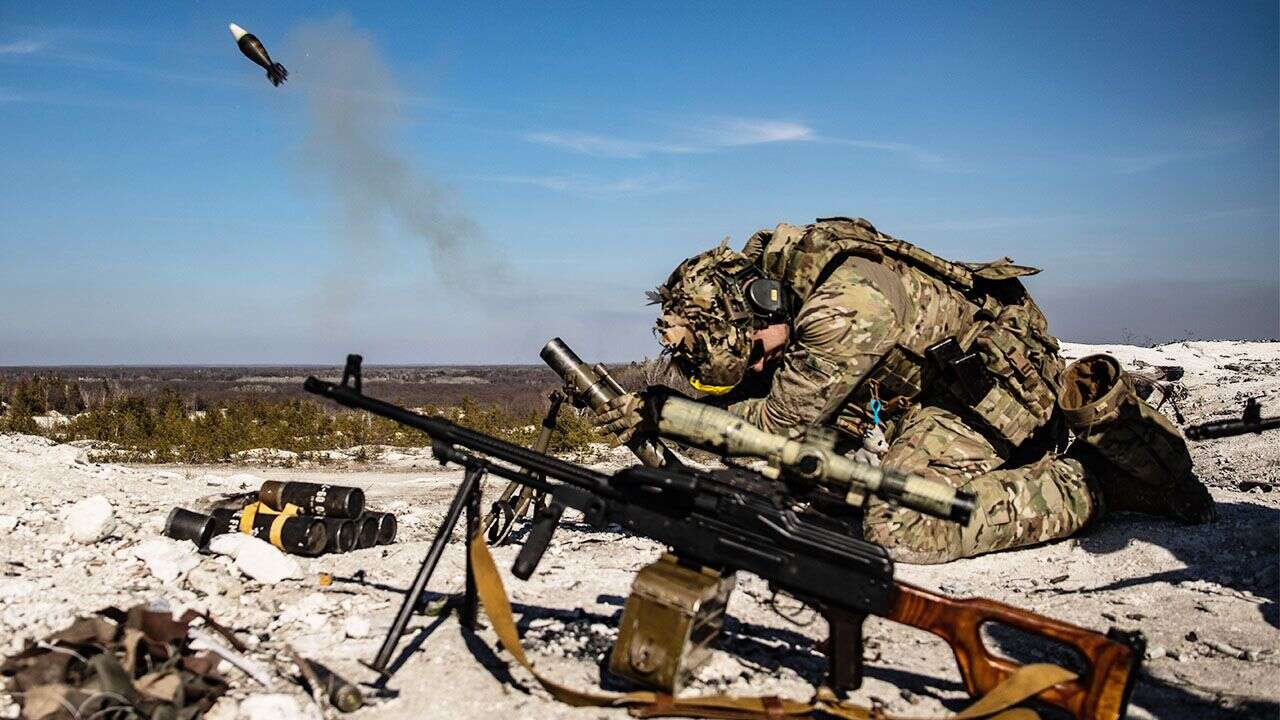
544,526
844,651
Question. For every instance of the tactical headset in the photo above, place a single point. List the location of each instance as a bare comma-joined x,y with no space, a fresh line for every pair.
764,297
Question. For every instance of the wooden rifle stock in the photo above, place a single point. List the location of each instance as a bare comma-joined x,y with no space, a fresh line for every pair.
1101,691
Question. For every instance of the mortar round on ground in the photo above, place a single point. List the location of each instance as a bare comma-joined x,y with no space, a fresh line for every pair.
183,524
343,534
387,527
313,499
367,531
297,534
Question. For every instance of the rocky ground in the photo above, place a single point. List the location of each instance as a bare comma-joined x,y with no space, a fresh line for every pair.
1205,596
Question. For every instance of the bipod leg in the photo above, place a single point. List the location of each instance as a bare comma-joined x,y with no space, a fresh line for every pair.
466,490
470,609
502,517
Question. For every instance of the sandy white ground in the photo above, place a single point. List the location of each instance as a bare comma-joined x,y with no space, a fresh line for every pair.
1205,596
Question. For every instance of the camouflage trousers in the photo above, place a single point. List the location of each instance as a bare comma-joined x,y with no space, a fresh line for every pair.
1044,500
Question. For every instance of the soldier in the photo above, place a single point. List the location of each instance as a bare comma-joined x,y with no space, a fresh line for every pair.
942,369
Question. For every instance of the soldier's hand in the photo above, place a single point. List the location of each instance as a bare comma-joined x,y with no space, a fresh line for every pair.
624,416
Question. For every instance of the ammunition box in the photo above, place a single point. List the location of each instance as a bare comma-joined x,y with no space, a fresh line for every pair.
669,623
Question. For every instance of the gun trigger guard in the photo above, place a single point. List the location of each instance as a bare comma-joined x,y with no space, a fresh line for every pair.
595,514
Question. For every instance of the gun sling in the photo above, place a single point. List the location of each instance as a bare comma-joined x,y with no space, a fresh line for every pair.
1025,682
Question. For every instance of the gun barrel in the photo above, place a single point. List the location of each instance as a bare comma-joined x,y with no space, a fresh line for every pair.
448,434
1229,428
720,431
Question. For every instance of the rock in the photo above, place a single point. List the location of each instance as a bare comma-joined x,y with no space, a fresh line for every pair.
8,523
228,544
1226,649
212,581
1155,652
243,480
312,611
225,709
14,588
256,558
90,520
166,558
356,627
264,563
273,706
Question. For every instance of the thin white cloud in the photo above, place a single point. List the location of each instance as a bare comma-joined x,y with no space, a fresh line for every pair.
1133,164
920,155
602,146
597,188
21,47
721,133
1198,142
740,131
701,137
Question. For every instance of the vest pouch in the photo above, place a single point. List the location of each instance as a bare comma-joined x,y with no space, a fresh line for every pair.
895,381
1021,399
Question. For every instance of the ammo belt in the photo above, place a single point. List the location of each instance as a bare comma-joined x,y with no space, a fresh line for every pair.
1024,683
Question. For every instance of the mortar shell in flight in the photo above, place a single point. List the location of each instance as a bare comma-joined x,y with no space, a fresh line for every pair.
253,49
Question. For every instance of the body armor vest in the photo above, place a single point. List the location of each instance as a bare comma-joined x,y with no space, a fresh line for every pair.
1002,363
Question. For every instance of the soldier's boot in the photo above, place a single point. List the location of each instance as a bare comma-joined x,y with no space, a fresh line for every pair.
1138,459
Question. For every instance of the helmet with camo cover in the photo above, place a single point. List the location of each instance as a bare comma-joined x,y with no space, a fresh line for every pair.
706,322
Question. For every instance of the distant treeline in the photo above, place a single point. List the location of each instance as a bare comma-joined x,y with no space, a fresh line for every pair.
37,395
520,388
168,425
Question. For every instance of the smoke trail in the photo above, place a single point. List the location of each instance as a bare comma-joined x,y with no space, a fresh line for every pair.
351,146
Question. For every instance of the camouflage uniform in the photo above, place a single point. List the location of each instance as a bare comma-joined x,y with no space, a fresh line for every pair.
952,362
856,314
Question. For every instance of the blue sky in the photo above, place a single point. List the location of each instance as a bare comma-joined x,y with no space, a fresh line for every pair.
161,202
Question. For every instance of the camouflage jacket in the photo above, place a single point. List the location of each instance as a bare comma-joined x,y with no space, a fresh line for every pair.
864,308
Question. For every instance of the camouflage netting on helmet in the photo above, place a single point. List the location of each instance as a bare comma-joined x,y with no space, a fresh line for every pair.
115,665
705,323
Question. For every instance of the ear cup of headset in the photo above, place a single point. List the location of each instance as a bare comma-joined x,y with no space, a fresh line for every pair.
764,295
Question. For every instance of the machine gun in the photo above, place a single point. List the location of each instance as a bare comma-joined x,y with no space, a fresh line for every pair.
1251,421
740,520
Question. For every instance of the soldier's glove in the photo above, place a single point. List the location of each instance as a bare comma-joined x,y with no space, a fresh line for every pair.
624,416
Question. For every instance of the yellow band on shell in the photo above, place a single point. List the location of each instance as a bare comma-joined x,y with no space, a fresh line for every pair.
277,526
710,389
